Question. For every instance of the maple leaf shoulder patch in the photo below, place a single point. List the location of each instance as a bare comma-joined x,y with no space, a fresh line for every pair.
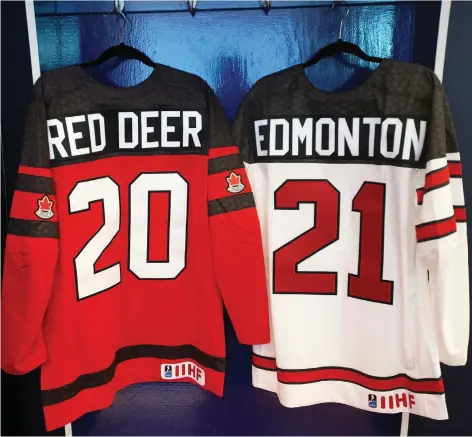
44,210
234,183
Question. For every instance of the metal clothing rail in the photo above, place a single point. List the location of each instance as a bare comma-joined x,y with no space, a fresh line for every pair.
58,8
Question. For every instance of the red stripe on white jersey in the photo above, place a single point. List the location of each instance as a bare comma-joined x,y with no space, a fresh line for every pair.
455,169
435,229
264,363
375,383
420,195
402,381
460,214
436,179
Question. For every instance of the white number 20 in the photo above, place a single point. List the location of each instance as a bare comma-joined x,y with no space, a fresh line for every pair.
91,282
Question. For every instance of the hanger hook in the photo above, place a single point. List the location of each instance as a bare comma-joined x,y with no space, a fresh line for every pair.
192,7
338,4
266,5
118,8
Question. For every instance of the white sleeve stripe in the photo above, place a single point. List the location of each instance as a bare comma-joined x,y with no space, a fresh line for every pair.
435,164
457,192
453,156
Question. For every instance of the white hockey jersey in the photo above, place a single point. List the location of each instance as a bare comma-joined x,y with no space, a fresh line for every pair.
361,204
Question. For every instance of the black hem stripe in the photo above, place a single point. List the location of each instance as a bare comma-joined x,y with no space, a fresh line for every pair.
230,204
434,222
102,377
34,184
224,163
32,228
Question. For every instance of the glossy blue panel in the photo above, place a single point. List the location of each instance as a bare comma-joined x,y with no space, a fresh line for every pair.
231,49
81,7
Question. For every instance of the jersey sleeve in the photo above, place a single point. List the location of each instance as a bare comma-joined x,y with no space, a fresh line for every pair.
235,232
442,233
31,248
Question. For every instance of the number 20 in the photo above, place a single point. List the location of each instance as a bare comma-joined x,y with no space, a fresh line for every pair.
106,190
369,202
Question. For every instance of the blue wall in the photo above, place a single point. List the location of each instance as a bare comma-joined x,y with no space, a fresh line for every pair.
231,45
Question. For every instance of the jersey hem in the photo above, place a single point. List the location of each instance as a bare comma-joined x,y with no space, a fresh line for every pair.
432,406
128,373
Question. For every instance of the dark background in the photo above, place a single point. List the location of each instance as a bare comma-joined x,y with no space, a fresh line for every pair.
230,45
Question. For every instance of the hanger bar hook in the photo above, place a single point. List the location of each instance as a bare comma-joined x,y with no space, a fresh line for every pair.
119,6
337,4
192,7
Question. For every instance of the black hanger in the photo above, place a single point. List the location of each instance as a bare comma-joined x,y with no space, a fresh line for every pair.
121,50
341,46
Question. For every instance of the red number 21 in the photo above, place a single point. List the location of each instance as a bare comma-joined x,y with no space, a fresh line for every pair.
369,202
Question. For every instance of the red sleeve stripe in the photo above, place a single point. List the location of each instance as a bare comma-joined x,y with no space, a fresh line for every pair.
436,179
216,152
420,195
460,214
388,383
26,206
436,229
35,171
455,169
264,363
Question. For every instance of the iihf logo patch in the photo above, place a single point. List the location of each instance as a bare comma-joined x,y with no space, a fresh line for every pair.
45,208
234,183
372,401
167,371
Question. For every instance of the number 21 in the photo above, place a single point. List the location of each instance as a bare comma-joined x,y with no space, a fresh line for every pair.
369,202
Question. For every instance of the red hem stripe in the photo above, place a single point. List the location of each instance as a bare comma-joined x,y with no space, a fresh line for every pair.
217,152
460,214
309,376
35,171
455,169
435,229
433,386
264,362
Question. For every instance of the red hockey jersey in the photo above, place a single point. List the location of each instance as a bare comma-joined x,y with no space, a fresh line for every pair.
132,213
